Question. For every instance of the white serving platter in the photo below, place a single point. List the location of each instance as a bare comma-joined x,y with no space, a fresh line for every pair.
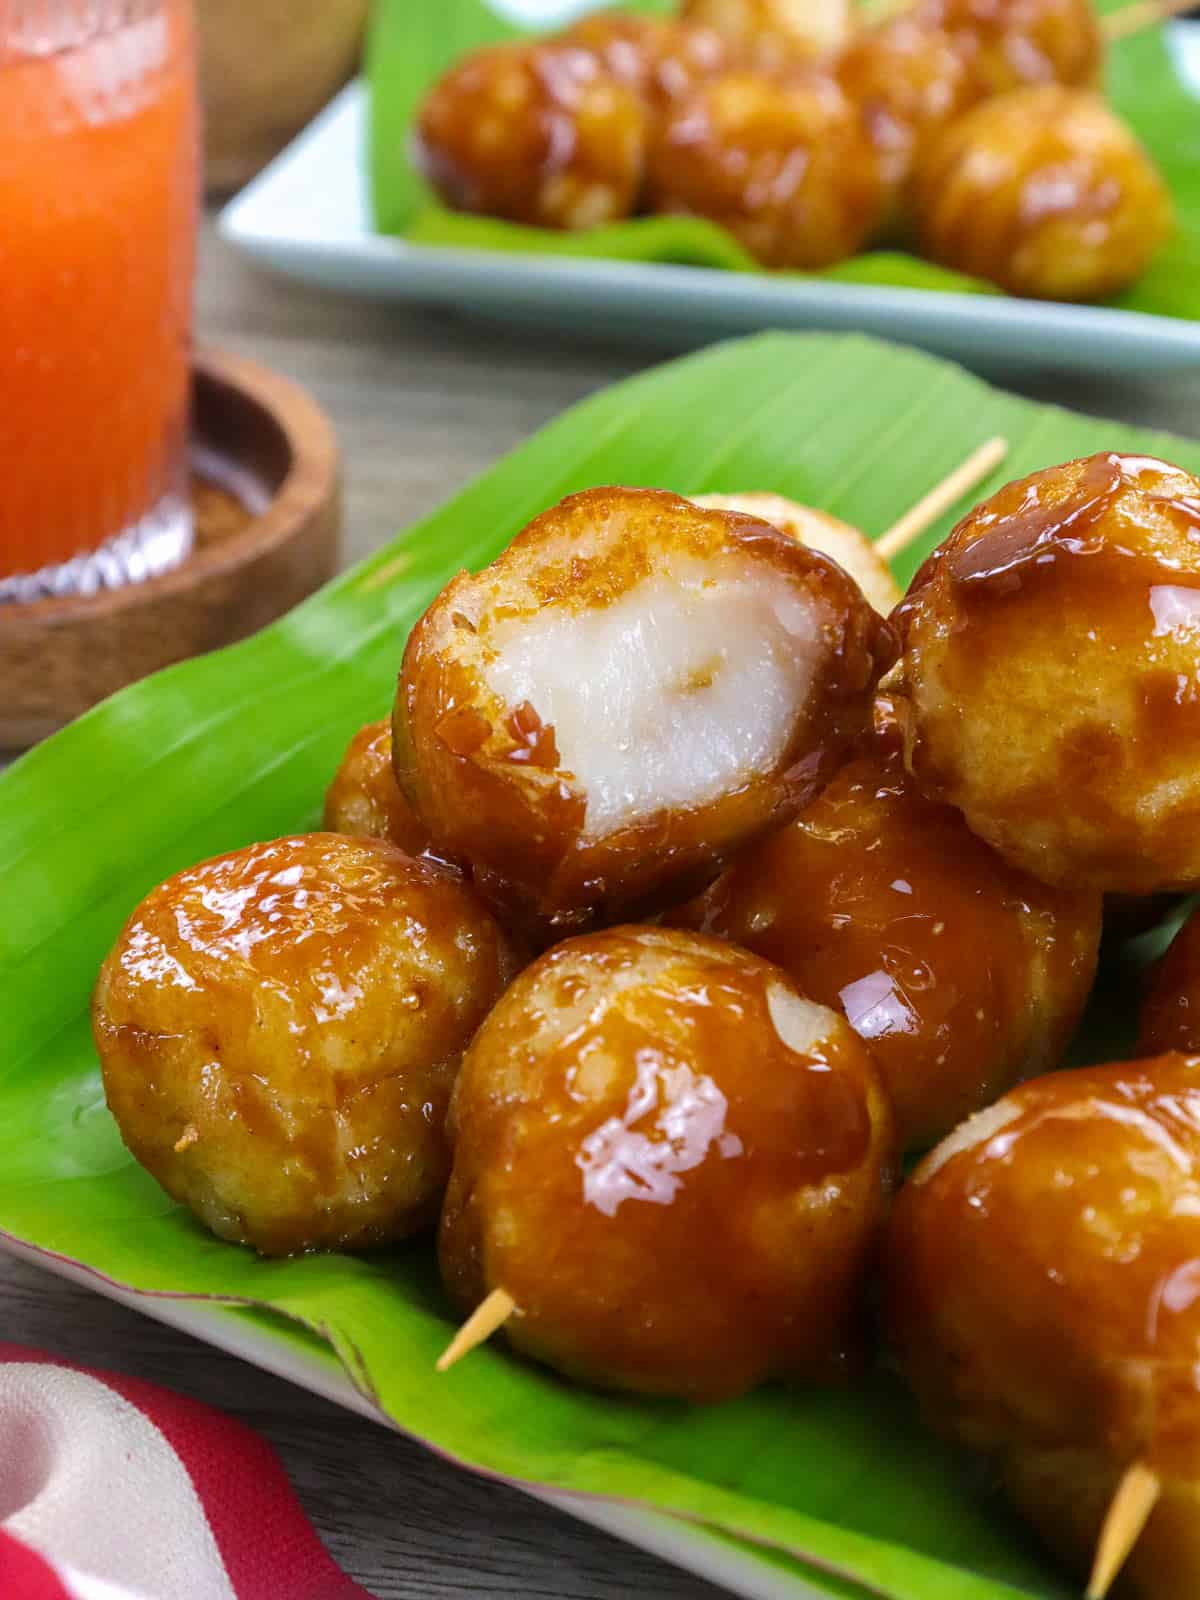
308,216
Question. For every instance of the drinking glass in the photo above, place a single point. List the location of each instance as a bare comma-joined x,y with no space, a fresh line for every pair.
99,188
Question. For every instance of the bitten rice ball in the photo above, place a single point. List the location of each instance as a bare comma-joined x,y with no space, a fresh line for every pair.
1051,668
628,695
279,1030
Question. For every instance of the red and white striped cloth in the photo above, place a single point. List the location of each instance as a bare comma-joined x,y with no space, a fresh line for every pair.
114,1489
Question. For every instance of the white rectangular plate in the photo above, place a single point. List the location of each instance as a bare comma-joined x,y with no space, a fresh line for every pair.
736,1566
308,215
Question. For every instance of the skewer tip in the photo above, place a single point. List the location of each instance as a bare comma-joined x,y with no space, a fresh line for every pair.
1137,1495
489,1315
941,497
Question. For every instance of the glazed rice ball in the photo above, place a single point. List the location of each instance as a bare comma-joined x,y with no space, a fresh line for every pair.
673,1162
1051,674
633,691
1008,44
960,973
1042,1301
777,32
662,59
364,797
850,548
1044,192
541,134
279,1030
910,80
784,163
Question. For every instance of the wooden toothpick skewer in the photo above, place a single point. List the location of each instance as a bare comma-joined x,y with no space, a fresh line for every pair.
1137,1495
941,497
487,1316
1141,15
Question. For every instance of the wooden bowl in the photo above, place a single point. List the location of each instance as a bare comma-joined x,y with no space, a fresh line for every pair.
266,69
267,498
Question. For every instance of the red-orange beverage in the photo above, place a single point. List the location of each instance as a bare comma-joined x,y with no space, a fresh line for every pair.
98,202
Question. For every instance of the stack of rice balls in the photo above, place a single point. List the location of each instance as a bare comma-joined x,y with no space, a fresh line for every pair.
696,880
972,131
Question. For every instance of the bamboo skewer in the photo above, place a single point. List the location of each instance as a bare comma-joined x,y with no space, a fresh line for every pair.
1140,15
488,1315
941,497
1137,1495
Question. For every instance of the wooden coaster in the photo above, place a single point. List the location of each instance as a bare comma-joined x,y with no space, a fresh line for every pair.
267,497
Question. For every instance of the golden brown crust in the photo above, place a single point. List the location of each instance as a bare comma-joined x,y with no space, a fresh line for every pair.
364,797
1008,44
279,1030
911,79
663,59
539,133
1045,192
679,1200
784,163
1044,1299
485,777
961,974
1050,674
777,33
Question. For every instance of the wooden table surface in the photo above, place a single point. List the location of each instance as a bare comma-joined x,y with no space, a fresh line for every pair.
422,403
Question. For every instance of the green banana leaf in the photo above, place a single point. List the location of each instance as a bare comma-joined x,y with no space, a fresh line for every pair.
239,745
413,41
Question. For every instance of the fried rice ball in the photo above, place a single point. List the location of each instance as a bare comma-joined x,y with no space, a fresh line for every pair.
661,58
1044,192
852,550
960,973
778,32
364,797
1170,1018
1008,44
1051,674
1044,1302
784,163
539,133
633,691
674,1163
911,80
279,1029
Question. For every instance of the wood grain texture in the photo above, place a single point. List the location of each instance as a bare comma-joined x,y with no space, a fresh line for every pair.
421,405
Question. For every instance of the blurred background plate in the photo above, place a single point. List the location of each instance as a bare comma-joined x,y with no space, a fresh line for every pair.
308,215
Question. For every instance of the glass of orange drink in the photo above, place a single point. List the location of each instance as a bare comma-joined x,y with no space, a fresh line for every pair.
99,194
